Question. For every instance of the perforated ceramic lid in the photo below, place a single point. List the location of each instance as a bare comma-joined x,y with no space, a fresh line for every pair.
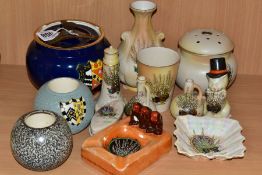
206,42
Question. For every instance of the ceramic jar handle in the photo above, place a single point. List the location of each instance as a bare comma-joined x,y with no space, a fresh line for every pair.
125,35
198,88
160,36
148,95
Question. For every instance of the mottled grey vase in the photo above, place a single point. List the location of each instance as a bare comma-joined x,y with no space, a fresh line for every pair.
41,140
68,97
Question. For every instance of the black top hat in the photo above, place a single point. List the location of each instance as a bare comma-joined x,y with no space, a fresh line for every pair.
218,67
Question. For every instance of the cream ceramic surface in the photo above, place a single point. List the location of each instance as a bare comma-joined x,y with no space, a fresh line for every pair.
216,97
111,83
208,42
196,48
39,120
106,116
190,102
143,93
141,36
58,85
226,134
159,65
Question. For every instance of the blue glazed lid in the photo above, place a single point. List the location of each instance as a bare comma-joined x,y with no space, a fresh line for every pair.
68,35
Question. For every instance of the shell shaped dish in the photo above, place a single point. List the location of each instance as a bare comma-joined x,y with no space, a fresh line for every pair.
213,138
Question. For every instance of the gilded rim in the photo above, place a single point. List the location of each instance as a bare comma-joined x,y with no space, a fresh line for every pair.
139,10
39,41
204,55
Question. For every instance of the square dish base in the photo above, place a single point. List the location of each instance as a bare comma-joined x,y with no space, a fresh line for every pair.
94,149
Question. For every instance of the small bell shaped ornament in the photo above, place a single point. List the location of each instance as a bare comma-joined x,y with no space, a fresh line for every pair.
111,83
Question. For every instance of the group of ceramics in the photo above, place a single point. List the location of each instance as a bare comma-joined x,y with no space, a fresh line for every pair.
70,61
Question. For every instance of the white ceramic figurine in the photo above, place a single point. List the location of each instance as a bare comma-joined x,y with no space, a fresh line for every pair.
216,102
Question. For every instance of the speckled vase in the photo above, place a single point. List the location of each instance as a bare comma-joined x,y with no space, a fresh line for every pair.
68,97
41,140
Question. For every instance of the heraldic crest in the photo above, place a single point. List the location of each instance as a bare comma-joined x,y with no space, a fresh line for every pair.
74,110
91,73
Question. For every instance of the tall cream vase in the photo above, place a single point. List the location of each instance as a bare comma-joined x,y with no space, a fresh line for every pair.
141,36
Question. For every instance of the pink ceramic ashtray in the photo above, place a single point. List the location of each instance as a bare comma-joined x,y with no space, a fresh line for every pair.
125,149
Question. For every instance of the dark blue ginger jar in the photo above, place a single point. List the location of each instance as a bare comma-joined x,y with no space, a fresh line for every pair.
67,48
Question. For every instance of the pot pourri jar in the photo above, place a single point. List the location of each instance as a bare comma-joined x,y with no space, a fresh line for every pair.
196,48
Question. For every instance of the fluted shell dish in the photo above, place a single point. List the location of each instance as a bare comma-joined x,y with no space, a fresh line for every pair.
213,138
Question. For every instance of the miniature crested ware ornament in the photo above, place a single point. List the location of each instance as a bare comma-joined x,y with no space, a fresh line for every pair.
209,137
107,115
196,48
69,98
110,105
143,96
146,119
127,149
67,48
159,66
141,36
111,83
190,102
216,102
41,140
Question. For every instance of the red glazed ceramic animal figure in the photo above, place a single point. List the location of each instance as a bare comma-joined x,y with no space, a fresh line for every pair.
144,118
156,123
135,116
147,119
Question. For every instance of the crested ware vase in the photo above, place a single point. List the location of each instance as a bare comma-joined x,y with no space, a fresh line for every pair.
110,104
142,35
111,83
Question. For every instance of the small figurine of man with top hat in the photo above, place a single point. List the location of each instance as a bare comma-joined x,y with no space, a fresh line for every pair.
216,102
